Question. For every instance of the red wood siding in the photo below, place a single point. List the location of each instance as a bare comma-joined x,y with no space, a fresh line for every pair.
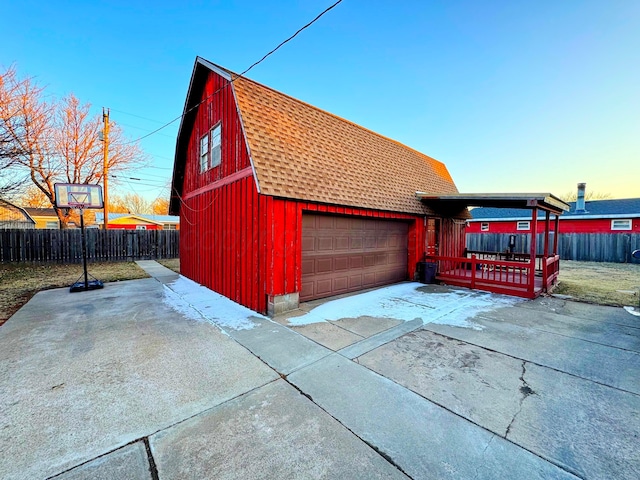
566,226
248,246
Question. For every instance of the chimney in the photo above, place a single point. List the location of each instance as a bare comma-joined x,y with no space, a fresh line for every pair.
580,199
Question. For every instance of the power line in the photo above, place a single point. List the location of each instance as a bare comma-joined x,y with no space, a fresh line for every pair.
240,75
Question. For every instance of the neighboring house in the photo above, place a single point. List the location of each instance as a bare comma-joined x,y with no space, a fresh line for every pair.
597,230
138,221
596,216
45,218
282,202
12,216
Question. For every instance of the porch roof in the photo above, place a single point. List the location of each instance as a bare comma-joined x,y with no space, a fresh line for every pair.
457,201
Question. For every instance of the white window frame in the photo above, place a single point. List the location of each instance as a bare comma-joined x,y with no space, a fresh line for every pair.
523,225
52,225
216,146
204,153
484,227
617,224
141,227
211,148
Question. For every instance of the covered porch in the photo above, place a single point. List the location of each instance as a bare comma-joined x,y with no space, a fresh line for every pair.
523,274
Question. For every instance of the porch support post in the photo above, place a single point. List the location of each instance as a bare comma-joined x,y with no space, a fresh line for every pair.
532,260
547,224
555,234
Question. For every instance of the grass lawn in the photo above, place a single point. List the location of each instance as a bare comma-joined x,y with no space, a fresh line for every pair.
172,263
599,282
19,281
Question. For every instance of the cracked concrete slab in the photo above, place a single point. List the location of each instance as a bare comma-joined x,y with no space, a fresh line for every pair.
368,344
328,335
592,429
85,373
588,311
470,381
588,428
366,326
273,432
129,462
279,347
423,439
592,330
600,363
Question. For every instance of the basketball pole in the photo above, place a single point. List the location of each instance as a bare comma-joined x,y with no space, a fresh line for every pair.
84,250
105,166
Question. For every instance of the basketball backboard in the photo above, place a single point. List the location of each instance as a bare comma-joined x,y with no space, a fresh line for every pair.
78,195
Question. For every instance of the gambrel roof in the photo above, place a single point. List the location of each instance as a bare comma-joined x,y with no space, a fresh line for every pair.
302,152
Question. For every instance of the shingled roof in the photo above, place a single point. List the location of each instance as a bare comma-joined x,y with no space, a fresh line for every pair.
302,152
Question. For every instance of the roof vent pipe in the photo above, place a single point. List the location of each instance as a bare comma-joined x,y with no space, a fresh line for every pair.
580,198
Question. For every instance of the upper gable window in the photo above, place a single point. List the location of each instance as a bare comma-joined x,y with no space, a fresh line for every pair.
204,153
216,145
211,148
523,225
621,224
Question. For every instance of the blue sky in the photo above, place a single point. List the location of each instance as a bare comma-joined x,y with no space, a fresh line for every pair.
527,96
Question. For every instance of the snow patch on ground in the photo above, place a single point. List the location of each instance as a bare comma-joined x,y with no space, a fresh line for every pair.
632,311
199,303
405,302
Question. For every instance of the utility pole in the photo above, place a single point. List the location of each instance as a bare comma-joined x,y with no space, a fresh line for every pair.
105,171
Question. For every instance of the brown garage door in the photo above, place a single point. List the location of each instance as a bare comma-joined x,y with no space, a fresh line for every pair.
345,254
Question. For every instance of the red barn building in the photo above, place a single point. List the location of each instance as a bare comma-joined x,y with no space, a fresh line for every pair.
281,202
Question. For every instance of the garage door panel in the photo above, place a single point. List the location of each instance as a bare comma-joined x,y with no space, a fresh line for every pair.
341,263
308,244
341,243
323,265
344,254
356,243
325,222
308,265
340,284
323,286
325,244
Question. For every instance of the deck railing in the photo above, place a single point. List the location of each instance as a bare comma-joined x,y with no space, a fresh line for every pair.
513,274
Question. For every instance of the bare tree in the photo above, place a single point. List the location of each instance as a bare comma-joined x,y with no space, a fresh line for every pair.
17,124
160,206
129,203
58,142
590,195
33,197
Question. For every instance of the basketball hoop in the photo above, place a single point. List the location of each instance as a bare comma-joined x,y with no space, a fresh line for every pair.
80,196
78,200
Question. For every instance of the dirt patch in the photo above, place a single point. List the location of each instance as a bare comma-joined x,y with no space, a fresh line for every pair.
19,282
599,282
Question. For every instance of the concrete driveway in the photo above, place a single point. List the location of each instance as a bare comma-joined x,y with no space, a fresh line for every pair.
161,378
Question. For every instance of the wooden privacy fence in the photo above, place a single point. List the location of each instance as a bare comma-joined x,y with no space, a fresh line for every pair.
592,247
65,246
